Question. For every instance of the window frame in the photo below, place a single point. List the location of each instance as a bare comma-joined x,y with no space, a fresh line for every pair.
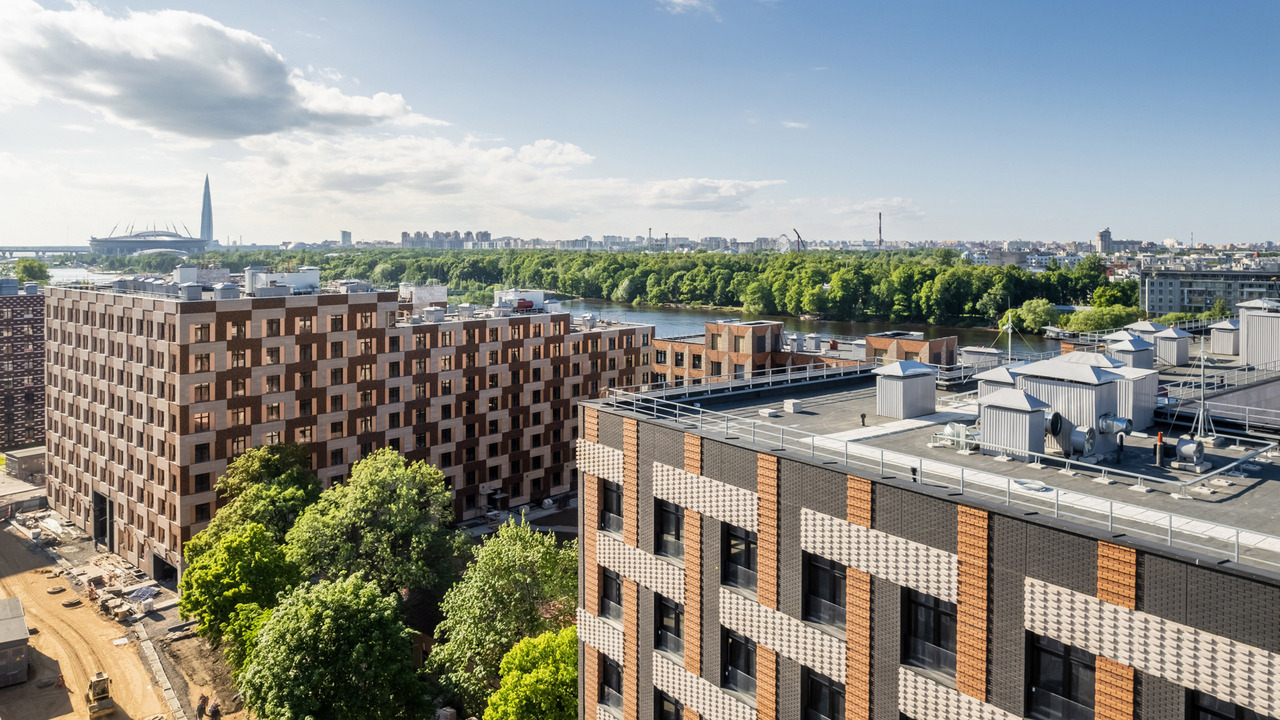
664,638
916,607
734,574
610,498
669,528
611,593
734,646
831,691
813,567
1071,699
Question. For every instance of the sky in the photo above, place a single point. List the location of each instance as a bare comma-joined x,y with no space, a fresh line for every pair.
959,121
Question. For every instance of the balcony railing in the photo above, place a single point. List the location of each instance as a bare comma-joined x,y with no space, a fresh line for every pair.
930,657
739,577
610,522
610,610
610,698
670,642
739,681
1050,706
822,612
670,547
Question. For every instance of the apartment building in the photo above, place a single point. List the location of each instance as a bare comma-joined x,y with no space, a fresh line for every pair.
21,364
735,349
154,387
1166,290
724,578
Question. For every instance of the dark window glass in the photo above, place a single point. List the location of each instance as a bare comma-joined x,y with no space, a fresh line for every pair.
670,628
1202,706
823,590
823,697
611,507
1060,680
611,684
739,558
670,529
929,632
611,596
739,660
667,707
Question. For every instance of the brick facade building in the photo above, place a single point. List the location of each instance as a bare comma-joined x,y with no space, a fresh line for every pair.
730,349
21,364
150,396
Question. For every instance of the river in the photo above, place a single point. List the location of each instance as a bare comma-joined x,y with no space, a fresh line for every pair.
687,321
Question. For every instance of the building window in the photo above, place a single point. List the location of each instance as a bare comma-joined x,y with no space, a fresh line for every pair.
237,358
738,655
201,363
822,697
273,328
1202,706
201,393
202,512
929,632
200,422
667,707
273,412
201,453
670,630
273,356
611,596
611,684
679,359
202,483
739,558
611,507
823,591
670,529
660,357
1060,684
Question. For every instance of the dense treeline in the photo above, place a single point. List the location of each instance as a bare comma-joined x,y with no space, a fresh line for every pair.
934,286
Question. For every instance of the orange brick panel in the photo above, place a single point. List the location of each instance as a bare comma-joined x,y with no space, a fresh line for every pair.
766,683
692,592
590,519
690,714
631,482
590,679
767,533
1113,691
692,454
857,692
631,650
859,501
590,424
1118,575
971,610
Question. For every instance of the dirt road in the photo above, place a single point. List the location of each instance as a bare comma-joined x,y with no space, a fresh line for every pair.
71,642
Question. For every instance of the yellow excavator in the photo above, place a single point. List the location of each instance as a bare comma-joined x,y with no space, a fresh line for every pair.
98,696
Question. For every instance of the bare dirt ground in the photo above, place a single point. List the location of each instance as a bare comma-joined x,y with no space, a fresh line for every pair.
204,671
71,642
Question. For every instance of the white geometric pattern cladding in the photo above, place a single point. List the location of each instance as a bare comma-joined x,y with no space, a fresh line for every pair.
1228,670
723,502
709,701
603,714
600,635
635,564
806,645
924,699
600,460
929,570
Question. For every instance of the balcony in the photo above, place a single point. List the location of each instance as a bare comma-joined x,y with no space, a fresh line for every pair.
739,577
822,612
738,681
670,547
610,522
1051,706
670,642
610,610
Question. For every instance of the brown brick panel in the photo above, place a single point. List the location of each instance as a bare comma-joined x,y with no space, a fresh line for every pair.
859,501
590,424
693,592
857,680
692,454
767,537
1118,575
971,610
590,679
690,714
1113,690
766,683
590,495
631,482
630,650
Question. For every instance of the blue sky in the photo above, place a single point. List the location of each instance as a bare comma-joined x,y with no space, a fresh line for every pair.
959,121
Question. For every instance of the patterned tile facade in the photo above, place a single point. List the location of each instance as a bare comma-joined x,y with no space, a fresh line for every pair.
791,637
600,460
929,570
635,564
708,700
922,698
706,496
1229,670
600,634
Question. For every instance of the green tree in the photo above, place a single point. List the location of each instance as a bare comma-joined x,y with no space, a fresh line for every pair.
390,521
273,506
31,270
246,566
1104,318
1035,314
336,650
539,679
268,464
520,584
240,636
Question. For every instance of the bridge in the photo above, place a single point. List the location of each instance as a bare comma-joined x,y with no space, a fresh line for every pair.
9,251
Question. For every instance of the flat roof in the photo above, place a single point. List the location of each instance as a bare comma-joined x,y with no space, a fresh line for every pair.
831,430
26,453
13,622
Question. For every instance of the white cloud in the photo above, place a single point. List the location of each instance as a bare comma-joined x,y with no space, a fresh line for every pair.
76,127
680,7
171,72
793,125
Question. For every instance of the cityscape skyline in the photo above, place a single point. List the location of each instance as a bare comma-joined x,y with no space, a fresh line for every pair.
970,123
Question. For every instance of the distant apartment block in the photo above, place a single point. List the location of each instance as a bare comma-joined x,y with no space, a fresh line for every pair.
154,387
1166,291
734,349
21,364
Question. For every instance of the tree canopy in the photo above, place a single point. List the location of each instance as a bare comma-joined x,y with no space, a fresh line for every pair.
539,679
286,464
389,521
245,566
333,651
520,584
31,270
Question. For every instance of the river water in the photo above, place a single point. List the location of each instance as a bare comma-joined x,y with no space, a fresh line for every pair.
687,321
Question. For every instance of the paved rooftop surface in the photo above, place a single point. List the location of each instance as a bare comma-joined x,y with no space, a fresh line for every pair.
1205,519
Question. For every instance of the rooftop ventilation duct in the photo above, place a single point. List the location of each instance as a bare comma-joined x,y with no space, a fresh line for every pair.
1111,425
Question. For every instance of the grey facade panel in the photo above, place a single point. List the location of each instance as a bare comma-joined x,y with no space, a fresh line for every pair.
790,561
886,644
789,689
711,600
648,447
729,464
1007,639
665,445
1233,607
1162,587
646,623
1062,559
582,677
609,428
817,488
1155,698
919,518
